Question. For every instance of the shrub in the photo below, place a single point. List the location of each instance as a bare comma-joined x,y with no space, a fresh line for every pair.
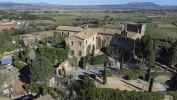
173,94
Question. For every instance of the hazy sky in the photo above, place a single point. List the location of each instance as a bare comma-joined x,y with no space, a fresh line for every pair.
93,2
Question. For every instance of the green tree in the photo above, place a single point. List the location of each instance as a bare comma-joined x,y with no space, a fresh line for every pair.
121,59
82,62
172,60
148,49
84,88
151,53
45,59
41,69
105,73
9,40
172,54
148,54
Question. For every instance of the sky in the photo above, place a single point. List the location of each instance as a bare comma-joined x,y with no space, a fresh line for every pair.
92,2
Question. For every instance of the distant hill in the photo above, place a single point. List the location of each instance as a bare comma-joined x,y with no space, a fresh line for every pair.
45,6
137,6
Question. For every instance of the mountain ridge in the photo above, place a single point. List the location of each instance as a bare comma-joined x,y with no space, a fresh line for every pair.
132,5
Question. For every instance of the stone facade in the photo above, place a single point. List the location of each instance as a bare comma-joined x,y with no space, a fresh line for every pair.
31,38
83,43
68,30
91,40
133,30
129,33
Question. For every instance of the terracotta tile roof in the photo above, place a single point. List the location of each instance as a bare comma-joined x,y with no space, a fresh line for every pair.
108,31
41,35
85,34
88,32
92,31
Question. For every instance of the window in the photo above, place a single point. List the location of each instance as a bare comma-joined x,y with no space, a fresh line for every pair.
80,53
72,43
80,43
86,41
72,52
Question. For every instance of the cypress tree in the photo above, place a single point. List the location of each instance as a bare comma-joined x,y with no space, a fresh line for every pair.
104,73
151,54
151,85
173,55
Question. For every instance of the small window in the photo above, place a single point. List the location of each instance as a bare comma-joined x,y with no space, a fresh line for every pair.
80,43
80,53
72,52
72,43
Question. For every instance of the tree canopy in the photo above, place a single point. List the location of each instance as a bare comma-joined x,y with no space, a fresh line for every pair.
46,58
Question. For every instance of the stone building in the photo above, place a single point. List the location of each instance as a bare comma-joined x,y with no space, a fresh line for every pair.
129,33
68,30
105,36
133,30
91,40
124,44
30,39
83,43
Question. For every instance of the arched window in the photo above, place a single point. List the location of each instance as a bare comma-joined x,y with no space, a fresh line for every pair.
72,52
72,43
80,43
80,53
